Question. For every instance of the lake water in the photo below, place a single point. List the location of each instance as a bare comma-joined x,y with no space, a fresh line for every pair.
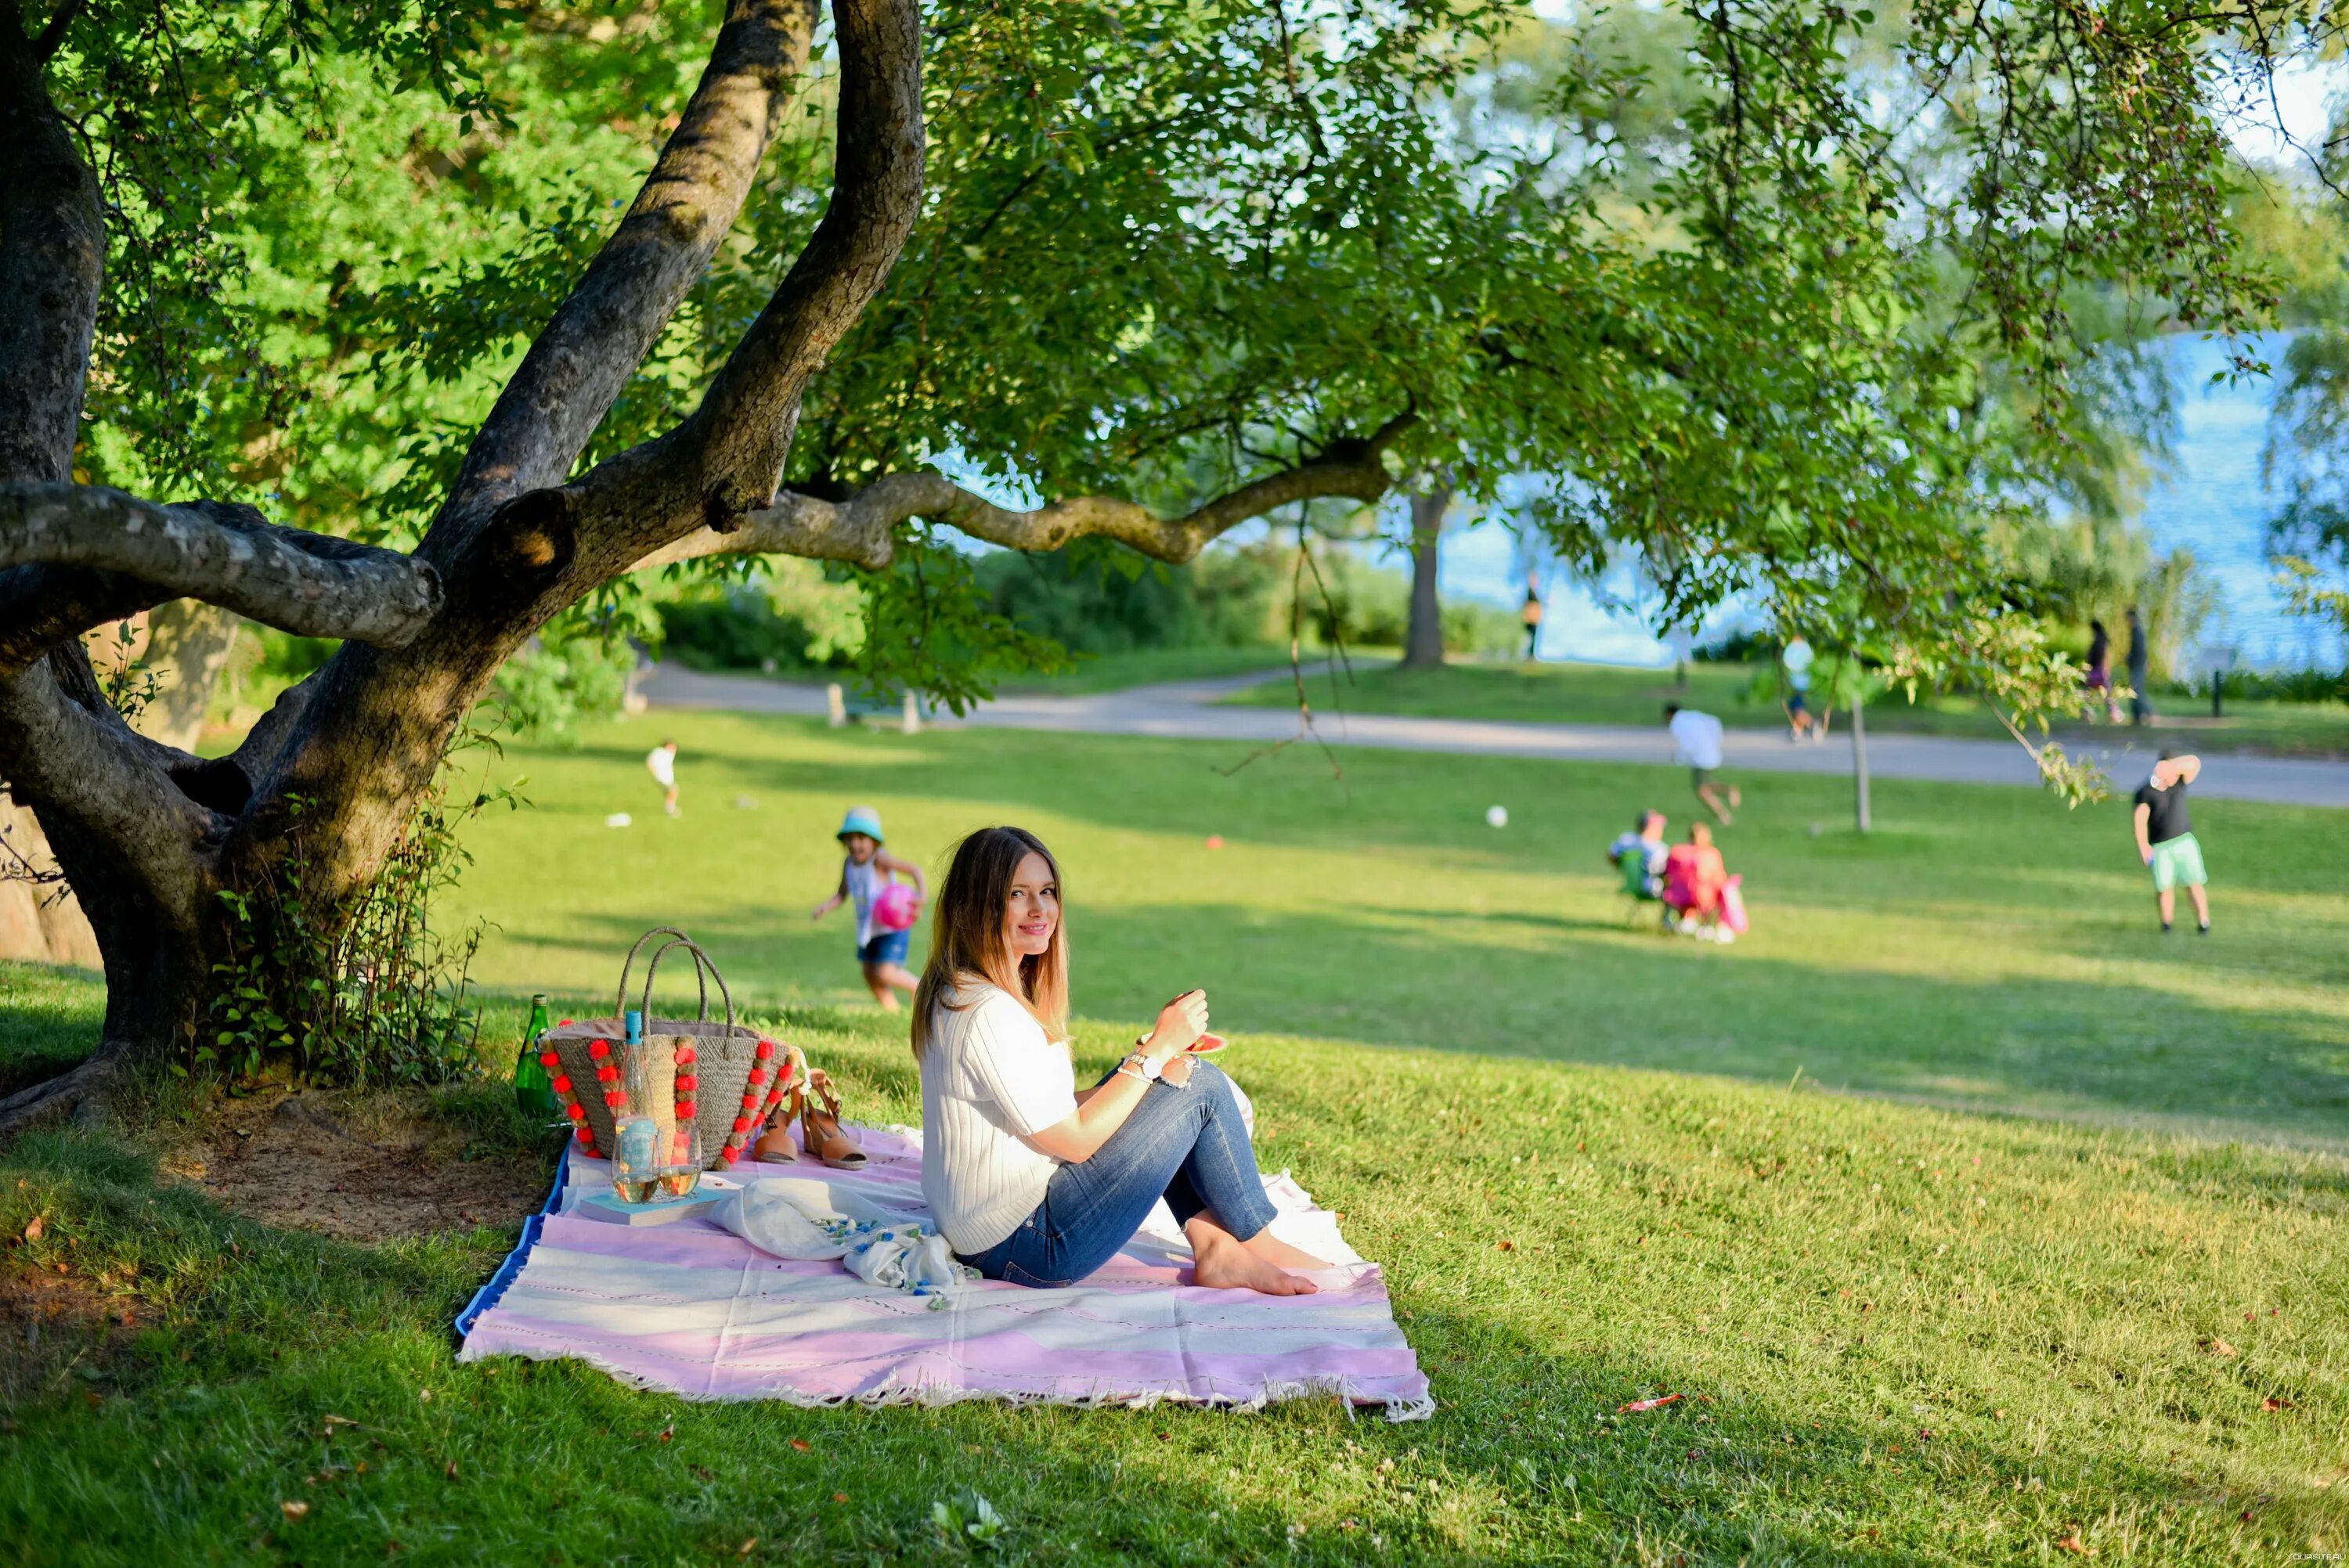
2210,501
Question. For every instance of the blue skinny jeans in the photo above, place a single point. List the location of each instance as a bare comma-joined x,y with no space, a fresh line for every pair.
1186,1145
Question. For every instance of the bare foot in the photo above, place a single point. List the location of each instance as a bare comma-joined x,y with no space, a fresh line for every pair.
1280,1254
1223,1263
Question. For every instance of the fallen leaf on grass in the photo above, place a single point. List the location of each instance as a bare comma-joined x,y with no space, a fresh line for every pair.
340,1422
666,1433
2275,1404
803,1445
2218,1347
452,1468
746,1547
40,1223
2073,1542
293,1509
840,1497
1636,1405
1506,1247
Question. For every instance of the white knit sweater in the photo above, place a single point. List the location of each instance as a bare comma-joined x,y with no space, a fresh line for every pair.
989,1079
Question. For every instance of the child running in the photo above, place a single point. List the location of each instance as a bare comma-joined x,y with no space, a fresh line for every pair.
866,871
2165,841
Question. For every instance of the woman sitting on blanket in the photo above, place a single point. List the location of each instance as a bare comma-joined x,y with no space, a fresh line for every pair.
1031,1180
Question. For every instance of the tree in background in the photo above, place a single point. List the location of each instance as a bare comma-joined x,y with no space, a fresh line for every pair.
1141,272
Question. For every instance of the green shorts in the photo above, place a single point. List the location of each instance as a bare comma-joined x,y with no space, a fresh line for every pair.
2177,862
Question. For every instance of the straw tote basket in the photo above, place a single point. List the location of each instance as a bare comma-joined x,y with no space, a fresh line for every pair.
726,1078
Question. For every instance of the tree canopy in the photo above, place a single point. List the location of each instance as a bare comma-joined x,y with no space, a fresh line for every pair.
455,318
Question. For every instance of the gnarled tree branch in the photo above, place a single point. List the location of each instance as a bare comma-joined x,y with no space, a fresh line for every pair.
743,428
576,367
222,553
862,529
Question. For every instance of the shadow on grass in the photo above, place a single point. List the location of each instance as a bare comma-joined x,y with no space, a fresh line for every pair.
274,1368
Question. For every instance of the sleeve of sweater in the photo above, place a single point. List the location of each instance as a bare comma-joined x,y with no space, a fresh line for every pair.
1012,1064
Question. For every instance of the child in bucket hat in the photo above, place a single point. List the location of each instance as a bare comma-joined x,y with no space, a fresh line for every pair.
883,921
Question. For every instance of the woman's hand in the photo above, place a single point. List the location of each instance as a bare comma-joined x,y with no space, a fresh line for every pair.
1180,1022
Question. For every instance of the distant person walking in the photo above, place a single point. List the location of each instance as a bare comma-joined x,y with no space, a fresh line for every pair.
2139,653
2165,841
1533,616
1798,659
1698,736
2099,679
661,763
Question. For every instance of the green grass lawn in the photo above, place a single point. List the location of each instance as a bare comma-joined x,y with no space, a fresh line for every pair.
1613,694
1905,1332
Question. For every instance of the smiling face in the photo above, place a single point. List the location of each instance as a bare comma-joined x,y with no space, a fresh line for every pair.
1032,909
860,847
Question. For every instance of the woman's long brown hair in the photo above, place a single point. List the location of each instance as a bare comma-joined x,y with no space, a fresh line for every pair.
967,935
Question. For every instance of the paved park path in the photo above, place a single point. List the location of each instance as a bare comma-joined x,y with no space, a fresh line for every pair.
1191,710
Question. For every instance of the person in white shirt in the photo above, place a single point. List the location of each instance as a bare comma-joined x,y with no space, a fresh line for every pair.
661,763
1698,736
1031,1178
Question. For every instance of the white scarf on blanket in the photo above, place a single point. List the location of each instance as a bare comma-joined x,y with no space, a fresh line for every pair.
803,1218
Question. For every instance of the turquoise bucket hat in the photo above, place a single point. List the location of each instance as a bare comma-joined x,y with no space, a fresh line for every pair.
862,820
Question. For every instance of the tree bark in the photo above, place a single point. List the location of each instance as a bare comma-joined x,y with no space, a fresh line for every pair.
1423,638
1862,818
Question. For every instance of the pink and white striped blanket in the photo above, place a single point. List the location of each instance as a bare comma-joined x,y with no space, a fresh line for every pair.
695,1310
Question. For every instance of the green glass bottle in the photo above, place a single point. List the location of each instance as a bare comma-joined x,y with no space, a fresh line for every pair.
533,1090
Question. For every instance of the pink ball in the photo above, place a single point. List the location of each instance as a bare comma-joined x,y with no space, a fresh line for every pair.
894,909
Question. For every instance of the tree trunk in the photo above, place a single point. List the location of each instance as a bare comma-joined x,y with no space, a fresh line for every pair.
1424,638
1861,818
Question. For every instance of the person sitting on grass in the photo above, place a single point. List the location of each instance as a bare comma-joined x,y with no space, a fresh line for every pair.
2165,841
1644,846
1698,736
1694,876
865,871
1031,1180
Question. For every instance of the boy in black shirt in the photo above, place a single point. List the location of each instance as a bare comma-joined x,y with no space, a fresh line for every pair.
2165,838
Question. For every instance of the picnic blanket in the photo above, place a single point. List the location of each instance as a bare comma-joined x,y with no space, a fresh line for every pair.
692,1309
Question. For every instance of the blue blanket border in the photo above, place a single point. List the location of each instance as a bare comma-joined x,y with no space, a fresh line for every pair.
488,1295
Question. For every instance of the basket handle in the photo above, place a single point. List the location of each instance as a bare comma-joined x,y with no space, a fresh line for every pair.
620,1008
703,965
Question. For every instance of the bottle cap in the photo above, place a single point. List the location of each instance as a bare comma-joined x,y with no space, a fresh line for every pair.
635,1021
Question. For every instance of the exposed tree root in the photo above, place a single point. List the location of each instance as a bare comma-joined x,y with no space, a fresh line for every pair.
83,1090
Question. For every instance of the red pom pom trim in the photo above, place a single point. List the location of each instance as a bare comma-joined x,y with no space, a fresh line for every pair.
687,1083
685,1055
766,1049
567,1022
741,1124
549,1059
561,1083
576,1111
758,1075
599,1049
